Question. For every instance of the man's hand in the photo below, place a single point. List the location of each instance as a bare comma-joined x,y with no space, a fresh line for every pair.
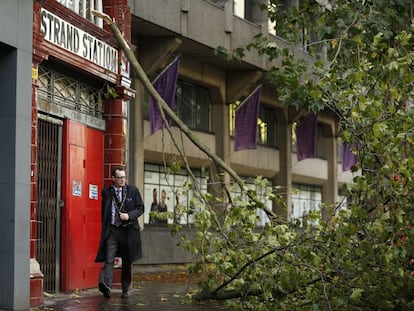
124,216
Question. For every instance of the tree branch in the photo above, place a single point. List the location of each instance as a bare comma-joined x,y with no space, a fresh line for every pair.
163,107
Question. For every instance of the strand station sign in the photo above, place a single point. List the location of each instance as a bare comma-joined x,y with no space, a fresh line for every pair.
73,39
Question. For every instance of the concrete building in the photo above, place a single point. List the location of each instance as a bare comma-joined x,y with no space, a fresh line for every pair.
208,86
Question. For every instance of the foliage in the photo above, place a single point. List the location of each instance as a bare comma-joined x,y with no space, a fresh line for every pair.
110,92
362,258
355,261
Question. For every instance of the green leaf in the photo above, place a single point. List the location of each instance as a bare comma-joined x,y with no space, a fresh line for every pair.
356,293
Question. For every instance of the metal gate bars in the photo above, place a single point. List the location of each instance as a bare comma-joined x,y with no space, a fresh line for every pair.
48,197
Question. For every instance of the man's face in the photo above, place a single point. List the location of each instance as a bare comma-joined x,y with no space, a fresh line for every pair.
119,179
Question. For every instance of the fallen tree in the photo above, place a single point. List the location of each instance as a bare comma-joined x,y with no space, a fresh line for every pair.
363,256
165,109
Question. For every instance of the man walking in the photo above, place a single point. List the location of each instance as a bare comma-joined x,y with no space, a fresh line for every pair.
120,236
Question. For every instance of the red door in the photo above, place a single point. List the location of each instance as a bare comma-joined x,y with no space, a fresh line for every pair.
82,180
94,178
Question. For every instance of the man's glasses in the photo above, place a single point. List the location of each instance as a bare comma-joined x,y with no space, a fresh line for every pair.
120,177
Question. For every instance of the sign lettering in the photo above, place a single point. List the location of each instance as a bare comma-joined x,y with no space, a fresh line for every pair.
73,39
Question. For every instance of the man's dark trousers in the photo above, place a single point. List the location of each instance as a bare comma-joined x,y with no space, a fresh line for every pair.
117,243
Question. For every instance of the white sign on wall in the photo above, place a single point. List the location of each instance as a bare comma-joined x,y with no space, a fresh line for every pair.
93,192
73,39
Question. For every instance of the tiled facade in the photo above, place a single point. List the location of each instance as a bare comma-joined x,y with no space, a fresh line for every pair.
56,46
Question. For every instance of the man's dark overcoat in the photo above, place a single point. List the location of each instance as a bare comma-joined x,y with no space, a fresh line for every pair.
134,206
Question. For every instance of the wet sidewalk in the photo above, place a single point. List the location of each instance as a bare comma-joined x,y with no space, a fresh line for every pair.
151,292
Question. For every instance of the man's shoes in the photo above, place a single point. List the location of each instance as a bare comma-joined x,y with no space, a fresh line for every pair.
125,294
105,290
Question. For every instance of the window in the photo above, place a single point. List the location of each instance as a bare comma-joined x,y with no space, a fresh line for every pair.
271,27
159,178
287,15
250,184
70,93
84,8
239,8
266,124
305,198
342,203
193,105
320,141
339,150
294,138
266,127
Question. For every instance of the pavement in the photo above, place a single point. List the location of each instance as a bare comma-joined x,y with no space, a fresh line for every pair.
155,290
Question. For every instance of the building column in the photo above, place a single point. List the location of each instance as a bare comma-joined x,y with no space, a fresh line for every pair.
329,188
116,109
220,119
284,177
136,138
36,276
15,124
115,115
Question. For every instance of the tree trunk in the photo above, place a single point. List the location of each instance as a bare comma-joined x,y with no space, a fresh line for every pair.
164,108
